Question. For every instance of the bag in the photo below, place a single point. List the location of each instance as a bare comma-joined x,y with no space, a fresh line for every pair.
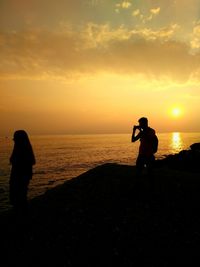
155,144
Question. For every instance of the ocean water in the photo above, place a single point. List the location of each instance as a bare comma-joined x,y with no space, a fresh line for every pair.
63,157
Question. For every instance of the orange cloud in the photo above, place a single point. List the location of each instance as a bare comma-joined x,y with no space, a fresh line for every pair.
136,12
96,48
195,42
155,11
124,5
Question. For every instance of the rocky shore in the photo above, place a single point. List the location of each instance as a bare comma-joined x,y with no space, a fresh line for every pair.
108,217
185,160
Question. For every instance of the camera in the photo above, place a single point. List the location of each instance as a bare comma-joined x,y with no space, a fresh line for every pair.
137,127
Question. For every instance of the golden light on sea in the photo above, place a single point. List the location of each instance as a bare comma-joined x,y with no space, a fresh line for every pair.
176,141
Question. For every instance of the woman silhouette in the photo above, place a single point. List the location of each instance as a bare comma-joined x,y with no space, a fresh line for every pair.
22,160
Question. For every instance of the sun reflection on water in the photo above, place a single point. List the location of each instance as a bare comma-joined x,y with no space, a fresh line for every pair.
176,142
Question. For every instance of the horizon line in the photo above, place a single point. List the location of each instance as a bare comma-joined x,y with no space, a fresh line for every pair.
96,133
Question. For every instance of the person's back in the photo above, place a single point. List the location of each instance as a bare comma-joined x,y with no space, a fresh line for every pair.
146,142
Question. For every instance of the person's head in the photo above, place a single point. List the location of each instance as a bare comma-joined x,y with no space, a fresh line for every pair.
21,138
143,122
22,149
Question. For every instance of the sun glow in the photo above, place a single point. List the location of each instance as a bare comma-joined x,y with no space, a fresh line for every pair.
176,112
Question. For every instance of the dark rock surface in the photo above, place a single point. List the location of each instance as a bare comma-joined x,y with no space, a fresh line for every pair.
108,217
188,160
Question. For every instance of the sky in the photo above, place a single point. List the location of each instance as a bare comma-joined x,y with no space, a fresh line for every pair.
97,66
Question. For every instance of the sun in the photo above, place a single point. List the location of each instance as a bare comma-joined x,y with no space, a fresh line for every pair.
176,112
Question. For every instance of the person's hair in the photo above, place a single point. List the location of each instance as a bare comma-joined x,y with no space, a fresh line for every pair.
22,148
20,137
143,120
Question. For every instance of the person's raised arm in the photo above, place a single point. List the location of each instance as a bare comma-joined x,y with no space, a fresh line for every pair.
134,136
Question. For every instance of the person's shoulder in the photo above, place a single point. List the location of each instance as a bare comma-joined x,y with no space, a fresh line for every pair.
152,131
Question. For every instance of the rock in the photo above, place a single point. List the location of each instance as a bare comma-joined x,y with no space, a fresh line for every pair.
184,160
195,146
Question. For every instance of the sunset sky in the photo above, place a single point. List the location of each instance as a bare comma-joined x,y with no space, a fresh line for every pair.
97,66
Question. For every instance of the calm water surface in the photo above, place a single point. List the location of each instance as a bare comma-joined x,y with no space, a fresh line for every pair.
62,157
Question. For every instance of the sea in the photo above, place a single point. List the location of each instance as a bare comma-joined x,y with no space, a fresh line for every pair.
63,157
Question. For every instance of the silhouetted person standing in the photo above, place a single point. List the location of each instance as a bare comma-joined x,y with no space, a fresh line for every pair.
22,161
148,145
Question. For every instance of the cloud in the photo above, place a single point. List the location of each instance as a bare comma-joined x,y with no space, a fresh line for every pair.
94,49
163,34
136,12
102,35
195,42
145,18
123,5
126,4
155,11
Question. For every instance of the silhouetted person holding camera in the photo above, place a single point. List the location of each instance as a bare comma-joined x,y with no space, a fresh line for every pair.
148,145
22,161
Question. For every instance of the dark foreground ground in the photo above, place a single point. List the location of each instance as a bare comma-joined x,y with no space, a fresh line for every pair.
105,218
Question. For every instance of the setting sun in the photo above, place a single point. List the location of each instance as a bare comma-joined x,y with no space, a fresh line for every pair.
176,112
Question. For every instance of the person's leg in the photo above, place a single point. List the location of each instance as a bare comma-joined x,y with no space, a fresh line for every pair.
150,171
13,193
140,162
23,195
